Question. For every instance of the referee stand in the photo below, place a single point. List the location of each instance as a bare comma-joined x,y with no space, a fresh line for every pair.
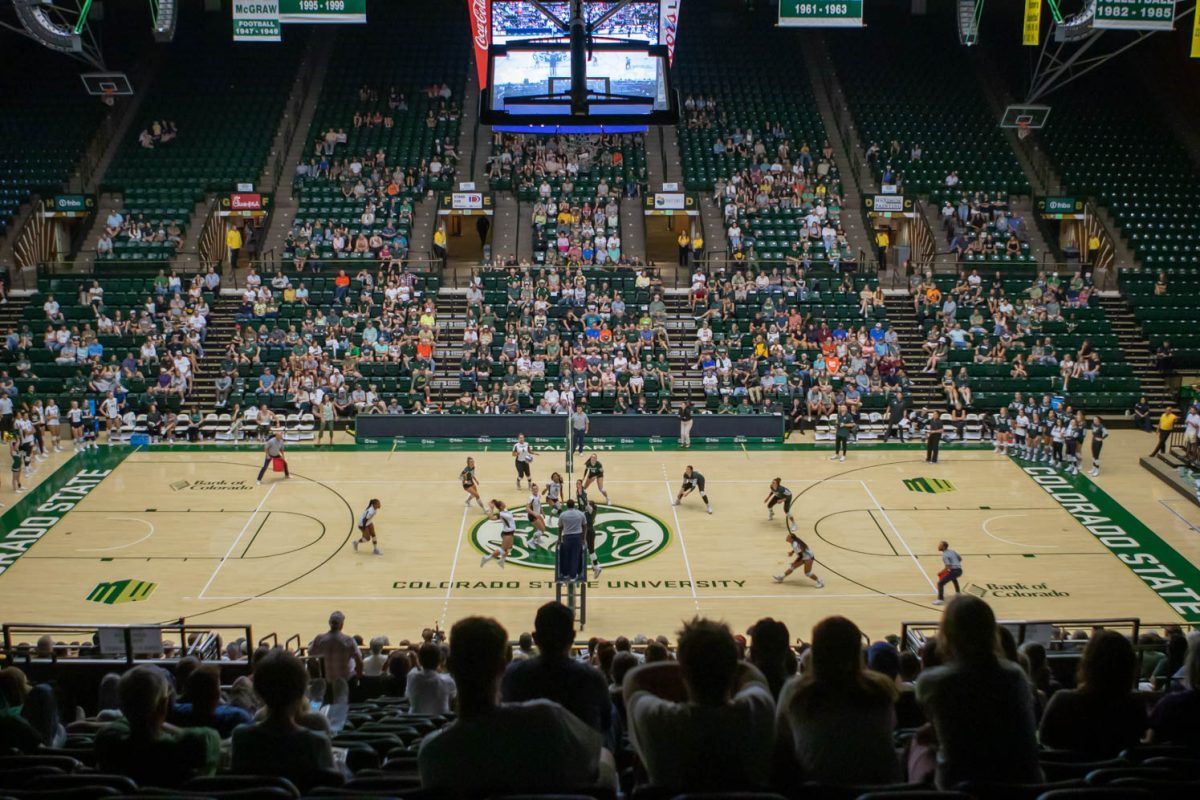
575,588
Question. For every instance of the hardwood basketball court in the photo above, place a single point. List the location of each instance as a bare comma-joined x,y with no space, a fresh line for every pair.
173,532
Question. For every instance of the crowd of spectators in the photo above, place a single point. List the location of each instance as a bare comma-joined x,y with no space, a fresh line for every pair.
157,133
576,183
712,711
765,341
781,175
121,228
565,337
1003,329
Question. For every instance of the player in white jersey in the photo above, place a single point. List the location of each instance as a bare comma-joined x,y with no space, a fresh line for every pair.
54,423
802,556
75,417
523,456
533,512
110,409
1020,428
366,524
23,428
497,510
554,493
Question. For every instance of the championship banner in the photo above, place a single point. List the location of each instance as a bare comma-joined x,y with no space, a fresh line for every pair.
668,27
1032,33
1196,33
256,21
481,36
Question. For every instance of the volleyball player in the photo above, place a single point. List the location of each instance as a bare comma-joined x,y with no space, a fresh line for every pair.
1099,434
554,493
497,510
366,524
91,426
23,427
594,472
1003,432
18,461
111,409
1071,445
37,416
54,423
780,494
75,417
470,483
523,455
589,531
692,480
1020,428
533,512
802,556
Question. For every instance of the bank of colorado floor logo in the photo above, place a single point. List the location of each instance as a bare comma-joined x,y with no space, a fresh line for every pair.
623,536
126,591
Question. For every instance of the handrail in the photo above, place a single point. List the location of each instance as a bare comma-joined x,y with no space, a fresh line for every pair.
295,637
1107,258
88,635
105,266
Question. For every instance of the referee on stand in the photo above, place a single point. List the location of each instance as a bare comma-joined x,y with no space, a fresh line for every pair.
933,438
571,524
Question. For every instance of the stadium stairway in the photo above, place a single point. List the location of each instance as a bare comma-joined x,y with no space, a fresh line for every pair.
681,327
1136,349
943,259
844,139
221,326
901,316
315,64
633,228
511,219
12,312
452,316
471,135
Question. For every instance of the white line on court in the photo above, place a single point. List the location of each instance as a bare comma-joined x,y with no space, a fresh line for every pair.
679,529
1010,541
541,597
448,481
233,546
1183,519
892,525
462,526
150,533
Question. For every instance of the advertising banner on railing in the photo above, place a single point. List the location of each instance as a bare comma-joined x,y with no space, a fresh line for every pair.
668,27
481,36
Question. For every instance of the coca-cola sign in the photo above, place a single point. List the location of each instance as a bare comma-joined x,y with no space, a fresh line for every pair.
669,26
481,34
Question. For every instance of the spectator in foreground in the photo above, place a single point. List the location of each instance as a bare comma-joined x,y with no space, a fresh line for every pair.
706,721
16,733
337,650
429,691
837,719
204,708
981,706
495,747
554,675
277,744
1176,717
143,746
1102,716
770,653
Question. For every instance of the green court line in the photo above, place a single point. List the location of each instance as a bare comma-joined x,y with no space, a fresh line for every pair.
1165,571
39,510
551,444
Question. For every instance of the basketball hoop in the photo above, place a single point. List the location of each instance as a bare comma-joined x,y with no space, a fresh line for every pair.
1022,129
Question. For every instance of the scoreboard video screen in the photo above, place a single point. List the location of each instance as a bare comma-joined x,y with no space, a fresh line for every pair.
519,73
514,20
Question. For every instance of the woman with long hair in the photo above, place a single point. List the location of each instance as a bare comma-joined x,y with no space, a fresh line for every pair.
836,720
1101,716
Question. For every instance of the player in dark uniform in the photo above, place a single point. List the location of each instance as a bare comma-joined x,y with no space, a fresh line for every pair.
1003,432
90,426
1099,434
589,530
693,480
594,472
18,463
802,556
846,423
780,494
470,484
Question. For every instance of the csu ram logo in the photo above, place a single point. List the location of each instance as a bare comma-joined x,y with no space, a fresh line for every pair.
623,536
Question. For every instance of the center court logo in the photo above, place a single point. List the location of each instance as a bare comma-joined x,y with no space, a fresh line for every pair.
623,536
